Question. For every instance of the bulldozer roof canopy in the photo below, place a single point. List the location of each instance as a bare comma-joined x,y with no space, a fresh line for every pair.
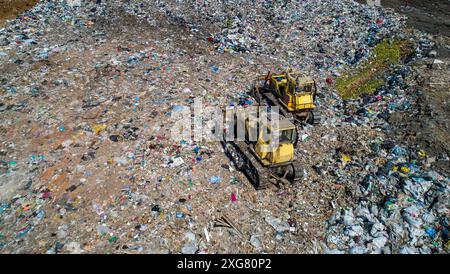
285,124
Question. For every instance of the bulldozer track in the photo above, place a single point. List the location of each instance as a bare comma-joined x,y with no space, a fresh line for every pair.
259,176
239,152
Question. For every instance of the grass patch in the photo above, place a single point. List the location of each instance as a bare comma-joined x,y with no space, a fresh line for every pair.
367,77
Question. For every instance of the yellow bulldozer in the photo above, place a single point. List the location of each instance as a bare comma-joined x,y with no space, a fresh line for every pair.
294,92
266,154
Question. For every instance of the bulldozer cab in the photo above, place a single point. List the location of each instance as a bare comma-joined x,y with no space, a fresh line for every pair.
305,85
281,151
285,129
286,133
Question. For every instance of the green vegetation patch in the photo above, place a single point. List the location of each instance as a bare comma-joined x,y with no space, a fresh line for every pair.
367,77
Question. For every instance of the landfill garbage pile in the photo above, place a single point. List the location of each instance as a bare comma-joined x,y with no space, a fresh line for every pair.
292,28
402,203
87,91
402,209
234,38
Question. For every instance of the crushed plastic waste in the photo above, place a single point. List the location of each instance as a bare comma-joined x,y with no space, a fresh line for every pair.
87,164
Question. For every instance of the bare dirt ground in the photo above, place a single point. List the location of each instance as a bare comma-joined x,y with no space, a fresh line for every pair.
10,8
429,16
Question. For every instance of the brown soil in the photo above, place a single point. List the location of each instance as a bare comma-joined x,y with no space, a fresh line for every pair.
430,16
9,9
426,15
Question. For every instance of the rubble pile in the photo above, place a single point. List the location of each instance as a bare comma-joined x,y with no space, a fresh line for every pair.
234,38
87,165
401,209
326,34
